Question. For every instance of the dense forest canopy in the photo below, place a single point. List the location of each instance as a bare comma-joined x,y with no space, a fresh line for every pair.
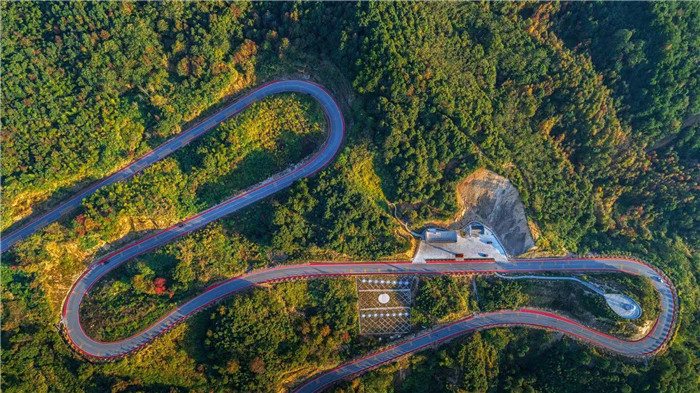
590,109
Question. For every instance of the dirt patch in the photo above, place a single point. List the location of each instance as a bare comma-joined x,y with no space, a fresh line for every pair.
492,199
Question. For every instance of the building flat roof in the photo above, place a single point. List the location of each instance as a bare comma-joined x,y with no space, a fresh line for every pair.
439,236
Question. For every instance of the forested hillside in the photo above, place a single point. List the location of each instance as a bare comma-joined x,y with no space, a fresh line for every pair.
590,109
647,57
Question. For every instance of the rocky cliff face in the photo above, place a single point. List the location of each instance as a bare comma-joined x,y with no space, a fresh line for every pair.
492,199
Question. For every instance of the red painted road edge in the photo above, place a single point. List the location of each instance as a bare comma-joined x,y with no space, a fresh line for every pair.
539,312
523,310
237,197
544,313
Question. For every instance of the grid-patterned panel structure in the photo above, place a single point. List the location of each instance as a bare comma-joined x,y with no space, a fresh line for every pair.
385,304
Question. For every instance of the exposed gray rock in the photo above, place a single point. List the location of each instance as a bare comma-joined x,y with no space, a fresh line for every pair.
493,200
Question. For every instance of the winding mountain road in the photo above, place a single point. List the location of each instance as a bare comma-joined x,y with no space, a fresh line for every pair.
337,129
70,317
652,342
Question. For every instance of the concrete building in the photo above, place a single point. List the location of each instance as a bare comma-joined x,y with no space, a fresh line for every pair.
476,229
434,235
442,245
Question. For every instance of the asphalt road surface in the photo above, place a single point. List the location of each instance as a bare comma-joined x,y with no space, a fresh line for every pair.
652,342
333,113
659,335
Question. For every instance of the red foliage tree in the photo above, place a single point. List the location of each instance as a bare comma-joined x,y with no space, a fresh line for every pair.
257,366
159,284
